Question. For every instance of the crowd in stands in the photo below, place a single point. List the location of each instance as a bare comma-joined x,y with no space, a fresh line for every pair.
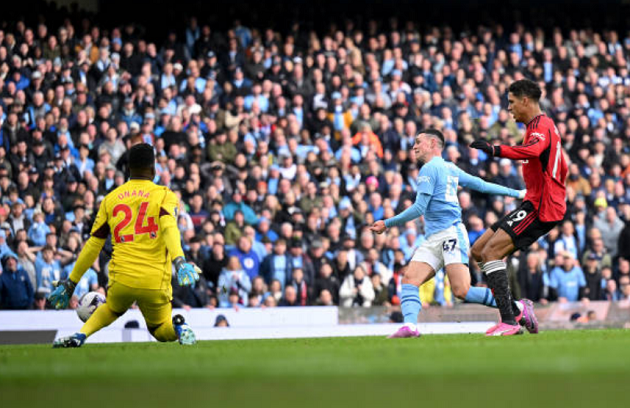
285,146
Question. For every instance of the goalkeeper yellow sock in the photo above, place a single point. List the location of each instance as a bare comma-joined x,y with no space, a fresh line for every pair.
102,317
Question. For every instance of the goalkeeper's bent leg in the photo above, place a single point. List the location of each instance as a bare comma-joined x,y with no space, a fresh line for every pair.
103,316
164,332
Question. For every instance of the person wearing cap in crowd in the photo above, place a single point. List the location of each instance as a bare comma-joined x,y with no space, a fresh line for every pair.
16,289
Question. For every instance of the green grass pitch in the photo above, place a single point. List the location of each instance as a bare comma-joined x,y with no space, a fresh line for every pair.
556,369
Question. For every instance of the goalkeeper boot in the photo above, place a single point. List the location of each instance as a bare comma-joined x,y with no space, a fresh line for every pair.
527,318
76,340
184,332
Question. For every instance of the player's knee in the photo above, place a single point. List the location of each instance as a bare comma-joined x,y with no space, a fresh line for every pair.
460,291
410,277
488,253
475,251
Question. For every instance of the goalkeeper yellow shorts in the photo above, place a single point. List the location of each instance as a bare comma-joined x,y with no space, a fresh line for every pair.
155,304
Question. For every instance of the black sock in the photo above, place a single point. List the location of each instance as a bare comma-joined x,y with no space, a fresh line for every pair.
515,308
496,276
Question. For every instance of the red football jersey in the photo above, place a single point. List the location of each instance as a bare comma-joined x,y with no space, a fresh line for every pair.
544,168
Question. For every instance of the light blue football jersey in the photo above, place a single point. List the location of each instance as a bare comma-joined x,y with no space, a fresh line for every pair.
437,200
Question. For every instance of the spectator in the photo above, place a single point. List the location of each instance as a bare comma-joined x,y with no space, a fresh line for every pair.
290,297
567,241
567,279
356,290
48,270
610,227
595,283
325,298
233,282
597,248
247,257
532,279
259,289
238,204
16,290
215,264
302,290
38,231
277,266
381,295
327,281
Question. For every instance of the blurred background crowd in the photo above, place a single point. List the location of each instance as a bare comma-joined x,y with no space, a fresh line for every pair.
284,144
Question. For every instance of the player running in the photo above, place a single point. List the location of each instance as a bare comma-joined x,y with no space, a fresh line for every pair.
544,206
447,239
142,218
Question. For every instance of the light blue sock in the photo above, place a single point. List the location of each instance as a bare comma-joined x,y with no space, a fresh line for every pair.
410,303
483,296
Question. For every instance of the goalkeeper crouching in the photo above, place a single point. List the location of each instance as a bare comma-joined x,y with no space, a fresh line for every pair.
141,218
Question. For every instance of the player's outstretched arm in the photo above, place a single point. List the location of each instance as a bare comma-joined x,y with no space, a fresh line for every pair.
64,289
426,184
477,184
531,150
187,273
416,210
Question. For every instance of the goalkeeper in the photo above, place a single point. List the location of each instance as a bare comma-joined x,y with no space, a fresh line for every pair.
142,219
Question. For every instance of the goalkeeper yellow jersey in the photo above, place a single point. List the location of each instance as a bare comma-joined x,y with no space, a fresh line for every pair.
133,214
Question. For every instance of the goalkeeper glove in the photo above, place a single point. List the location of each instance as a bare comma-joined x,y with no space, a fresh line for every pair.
487,147
60,297
521,194
187,273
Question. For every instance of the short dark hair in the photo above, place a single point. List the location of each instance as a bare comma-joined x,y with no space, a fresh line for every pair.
525,87
435,133
141,156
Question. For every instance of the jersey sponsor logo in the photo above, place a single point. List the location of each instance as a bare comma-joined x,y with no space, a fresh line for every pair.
424,179
538,135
